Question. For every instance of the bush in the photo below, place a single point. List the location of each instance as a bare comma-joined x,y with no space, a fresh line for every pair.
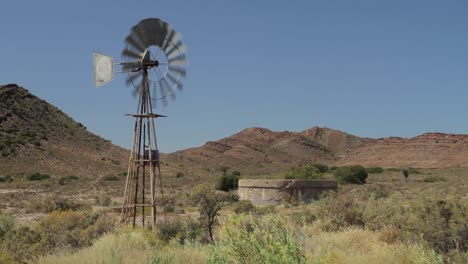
180,174
351,174
6,179
190,230
435,179
321,167
304,172
38,177
72,229
110,178
252,240
374,170
243,207
53,203
67,179
228,182
379,191
413,171
7,223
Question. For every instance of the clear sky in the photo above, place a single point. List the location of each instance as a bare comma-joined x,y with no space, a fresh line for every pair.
370,68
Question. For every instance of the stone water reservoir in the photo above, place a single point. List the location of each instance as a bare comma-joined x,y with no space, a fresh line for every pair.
277,191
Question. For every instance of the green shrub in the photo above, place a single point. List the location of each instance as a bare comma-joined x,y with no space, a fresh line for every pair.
180,174
351,174
6,179
304,172
67,179
189,230
53,203
435,179
228,182
246,239
321,167
374,170
414,171
110,178
243,207
7,224
38,177
168,230
72,229
379,191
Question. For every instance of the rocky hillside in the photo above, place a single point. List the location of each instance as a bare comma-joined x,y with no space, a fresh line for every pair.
259,150
36,136
424,151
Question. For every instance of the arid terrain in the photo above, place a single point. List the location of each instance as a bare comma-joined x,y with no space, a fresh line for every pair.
59,183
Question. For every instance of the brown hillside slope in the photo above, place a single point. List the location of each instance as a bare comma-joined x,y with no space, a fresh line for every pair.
424,151
37,137
259,150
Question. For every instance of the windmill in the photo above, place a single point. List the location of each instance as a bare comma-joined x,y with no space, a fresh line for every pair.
155,63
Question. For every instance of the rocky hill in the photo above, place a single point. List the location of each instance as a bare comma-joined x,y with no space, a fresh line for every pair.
424,151
259,150
36,136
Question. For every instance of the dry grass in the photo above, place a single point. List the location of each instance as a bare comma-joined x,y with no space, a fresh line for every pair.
363,246
129,246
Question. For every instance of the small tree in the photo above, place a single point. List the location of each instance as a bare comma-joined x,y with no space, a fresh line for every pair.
228,182
351,174
209,205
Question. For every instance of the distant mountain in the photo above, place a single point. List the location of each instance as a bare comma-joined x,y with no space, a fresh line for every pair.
425,151
259,150
36,136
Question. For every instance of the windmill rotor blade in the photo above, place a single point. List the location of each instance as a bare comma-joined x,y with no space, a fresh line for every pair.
169,38
132,42
177,69
178,46
168,89
177,82
130,53
139,35
163,96
154,31
136,90
180,59
131,79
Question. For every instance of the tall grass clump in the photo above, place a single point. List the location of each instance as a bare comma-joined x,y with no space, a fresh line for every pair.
374,170
356,245
246,239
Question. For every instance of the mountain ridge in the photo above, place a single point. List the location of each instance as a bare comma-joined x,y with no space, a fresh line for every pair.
36,136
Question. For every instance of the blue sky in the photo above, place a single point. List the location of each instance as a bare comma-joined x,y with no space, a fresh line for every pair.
370,68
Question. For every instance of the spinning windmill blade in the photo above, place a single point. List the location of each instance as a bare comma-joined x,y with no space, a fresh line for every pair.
165,54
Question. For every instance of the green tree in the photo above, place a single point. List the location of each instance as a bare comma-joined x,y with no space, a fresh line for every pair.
351,174
209,204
